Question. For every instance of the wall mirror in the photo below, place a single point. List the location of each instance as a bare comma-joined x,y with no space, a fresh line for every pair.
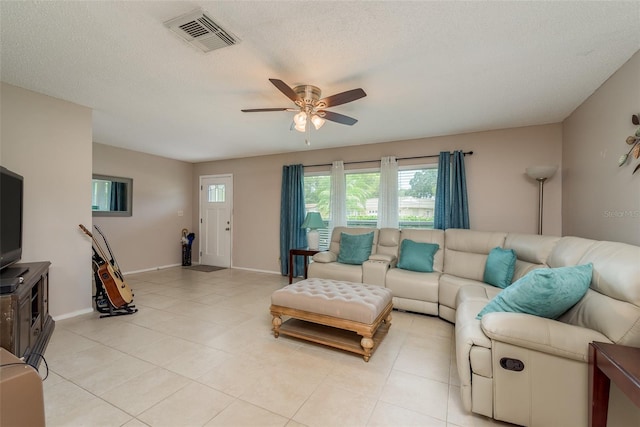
111,195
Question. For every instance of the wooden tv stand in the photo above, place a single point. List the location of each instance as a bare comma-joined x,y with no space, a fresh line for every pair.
25,323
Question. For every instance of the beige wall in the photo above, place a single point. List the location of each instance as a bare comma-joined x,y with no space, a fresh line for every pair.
601,200
501,196
48,142
150,238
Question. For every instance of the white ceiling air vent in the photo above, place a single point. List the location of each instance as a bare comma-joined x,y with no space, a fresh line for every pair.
199,30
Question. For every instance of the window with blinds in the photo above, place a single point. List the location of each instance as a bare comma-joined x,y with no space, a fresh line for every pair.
416,197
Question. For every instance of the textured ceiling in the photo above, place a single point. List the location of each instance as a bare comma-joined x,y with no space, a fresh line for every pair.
429,68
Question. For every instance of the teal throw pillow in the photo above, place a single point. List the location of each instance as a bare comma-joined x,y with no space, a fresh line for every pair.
500,266
417,256
355,248
544,292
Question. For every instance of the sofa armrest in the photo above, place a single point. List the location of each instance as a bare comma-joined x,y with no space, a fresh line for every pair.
468,334
392,260
374,272
541,334
326,256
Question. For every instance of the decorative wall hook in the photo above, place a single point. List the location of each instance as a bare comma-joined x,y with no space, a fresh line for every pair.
634,142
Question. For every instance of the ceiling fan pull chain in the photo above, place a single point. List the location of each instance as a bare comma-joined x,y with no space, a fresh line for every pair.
307,140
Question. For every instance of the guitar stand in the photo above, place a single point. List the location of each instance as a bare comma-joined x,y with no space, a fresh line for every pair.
104,306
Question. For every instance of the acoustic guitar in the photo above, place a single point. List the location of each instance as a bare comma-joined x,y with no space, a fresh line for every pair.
118,292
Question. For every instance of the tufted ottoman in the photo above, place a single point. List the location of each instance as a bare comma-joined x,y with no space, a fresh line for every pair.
349,316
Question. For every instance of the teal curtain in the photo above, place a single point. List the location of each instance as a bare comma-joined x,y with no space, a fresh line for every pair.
451,208
292,235
118,196
459,201
443,192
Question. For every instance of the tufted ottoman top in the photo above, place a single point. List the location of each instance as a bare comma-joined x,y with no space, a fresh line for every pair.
357,302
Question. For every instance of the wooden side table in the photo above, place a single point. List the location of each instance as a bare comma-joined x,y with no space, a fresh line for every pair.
306,253
611,362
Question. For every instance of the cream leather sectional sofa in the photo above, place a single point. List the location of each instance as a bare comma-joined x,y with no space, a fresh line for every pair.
551,389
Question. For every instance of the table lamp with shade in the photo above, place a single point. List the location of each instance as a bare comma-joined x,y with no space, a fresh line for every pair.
541,174
313,222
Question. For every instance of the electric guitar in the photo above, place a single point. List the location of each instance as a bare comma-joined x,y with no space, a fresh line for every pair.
118,292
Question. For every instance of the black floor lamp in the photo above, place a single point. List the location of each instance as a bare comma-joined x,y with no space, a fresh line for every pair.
541,174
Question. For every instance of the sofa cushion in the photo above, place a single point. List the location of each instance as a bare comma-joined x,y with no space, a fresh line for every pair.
415,256
336,271
616,270
325,256
427,236
388,242
355,248
612,305
500,266
448,291
547,292
449,286
336,234
531,248
533,251
618,320
413,285
523,268
466,251
568,251
476,292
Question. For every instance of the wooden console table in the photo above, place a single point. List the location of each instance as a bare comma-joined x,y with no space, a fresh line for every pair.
25,323
305,252
611,362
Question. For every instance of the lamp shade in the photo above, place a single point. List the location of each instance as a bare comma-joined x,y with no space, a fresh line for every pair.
300,120
313,221
317,121
541,172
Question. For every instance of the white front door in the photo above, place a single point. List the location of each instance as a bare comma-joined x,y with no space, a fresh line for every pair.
216,207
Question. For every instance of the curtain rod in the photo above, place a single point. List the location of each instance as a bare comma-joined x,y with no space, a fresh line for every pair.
468,153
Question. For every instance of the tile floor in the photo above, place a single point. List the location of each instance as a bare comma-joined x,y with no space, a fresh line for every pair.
200,352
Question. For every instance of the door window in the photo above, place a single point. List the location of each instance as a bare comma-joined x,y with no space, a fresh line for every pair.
216,193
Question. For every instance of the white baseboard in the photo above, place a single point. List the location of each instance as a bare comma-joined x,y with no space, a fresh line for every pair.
162,267
144,270
256,270
73,314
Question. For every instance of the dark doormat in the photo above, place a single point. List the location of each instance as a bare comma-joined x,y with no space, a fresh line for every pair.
205,268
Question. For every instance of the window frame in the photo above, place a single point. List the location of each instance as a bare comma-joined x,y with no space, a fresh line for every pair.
411,224
324,233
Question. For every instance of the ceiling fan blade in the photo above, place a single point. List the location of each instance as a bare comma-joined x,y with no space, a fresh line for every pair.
342,98
259,110
338,118
284,88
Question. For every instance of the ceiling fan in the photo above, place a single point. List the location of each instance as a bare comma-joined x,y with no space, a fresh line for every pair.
310,107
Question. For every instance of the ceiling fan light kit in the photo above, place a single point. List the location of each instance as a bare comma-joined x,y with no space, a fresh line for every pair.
300,120
311,108
317,121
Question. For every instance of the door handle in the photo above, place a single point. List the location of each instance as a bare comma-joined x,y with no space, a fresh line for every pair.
227,229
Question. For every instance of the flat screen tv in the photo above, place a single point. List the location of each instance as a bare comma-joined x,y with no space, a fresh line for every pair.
11,190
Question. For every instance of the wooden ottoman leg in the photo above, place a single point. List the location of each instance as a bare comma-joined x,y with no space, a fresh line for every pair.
276,322
388,319
367,345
